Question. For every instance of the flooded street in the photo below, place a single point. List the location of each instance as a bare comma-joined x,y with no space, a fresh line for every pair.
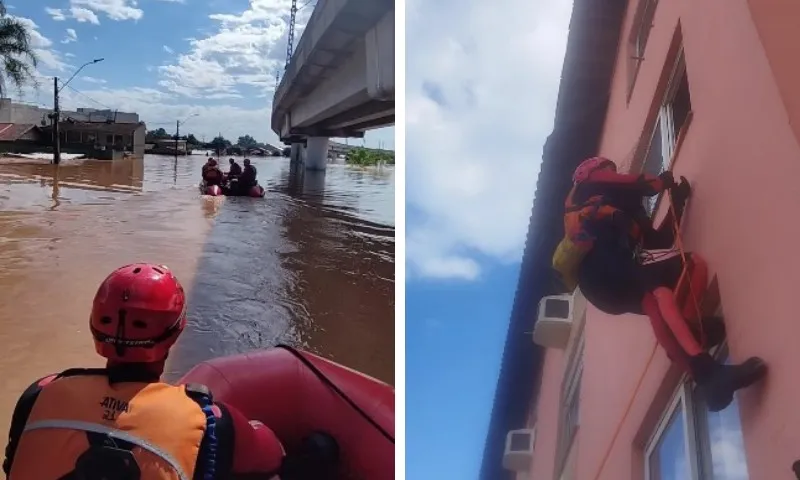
311,265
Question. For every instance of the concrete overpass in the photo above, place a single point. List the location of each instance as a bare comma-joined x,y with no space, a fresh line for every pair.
340,80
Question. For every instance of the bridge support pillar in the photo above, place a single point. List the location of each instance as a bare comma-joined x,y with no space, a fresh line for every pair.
316,153
296,154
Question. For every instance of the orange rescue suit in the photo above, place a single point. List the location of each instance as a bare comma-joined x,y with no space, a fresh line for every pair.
578,240
160,423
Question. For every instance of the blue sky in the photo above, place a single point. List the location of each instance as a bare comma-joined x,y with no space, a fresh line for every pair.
481,86
167,59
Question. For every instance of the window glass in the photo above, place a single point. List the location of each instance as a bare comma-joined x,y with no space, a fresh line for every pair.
726,443
668,459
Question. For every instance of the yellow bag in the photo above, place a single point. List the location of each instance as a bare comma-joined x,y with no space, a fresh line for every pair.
566,261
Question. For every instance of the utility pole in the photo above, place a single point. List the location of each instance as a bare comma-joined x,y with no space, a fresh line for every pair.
290,39
177,134
56,121
57,111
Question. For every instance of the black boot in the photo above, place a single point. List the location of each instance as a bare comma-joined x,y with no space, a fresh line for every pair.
317,458
717,382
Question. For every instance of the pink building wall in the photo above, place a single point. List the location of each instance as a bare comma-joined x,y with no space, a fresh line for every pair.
742,156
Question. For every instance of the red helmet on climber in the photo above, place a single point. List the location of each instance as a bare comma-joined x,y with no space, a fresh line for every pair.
138,313
590,165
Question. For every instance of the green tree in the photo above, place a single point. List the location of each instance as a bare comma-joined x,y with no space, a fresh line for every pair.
367,157
157,134
18,58
219,143
246,141
191,139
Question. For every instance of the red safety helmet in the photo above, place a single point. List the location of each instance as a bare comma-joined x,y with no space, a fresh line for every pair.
590,165
138,313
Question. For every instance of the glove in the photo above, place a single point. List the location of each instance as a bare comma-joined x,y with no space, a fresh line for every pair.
668,180
681,192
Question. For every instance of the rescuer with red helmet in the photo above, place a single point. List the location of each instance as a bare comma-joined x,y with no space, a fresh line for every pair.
212,174
608,250
121,421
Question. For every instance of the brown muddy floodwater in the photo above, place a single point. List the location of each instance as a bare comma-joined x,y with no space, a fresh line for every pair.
310,265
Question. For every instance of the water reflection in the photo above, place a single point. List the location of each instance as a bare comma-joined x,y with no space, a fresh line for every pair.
310,264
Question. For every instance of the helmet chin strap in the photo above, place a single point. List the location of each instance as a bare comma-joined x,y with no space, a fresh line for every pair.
120,335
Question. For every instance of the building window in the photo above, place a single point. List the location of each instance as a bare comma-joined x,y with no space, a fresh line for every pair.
692,443
570,404
672,117
637,43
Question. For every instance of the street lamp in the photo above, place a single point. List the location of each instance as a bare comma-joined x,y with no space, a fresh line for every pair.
57,110
178,133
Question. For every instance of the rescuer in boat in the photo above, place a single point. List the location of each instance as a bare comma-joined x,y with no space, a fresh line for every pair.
608,231
235,169
120,421
247,179
212,175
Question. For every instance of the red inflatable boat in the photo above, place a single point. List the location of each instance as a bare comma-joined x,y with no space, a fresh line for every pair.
215,191
212,190
297,393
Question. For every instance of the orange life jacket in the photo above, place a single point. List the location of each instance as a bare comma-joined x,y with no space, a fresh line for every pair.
578,239
155,428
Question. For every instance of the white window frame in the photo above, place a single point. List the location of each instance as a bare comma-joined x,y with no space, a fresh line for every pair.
638,39
664,126
681,398
696,434
570,393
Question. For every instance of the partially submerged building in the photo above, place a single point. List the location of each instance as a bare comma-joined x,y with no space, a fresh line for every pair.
101,140
168,146
710,90
102,134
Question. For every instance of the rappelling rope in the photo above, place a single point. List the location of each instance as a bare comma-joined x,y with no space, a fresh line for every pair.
685,272
679,246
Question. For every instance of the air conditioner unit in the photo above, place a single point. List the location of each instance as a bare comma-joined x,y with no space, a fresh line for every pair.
554,321
519,450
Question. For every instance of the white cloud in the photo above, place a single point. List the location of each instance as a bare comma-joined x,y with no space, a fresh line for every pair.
210,72
479,108
93,79
83,15
72,36
168,50
48,57
56,13
246,49
113,9
161,109
69,55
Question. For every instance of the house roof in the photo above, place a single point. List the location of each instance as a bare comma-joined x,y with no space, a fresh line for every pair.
98,127
11,132
592,44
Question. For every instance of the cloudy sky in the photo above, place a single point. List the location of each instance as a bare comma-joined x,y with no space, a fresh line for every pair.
167,59
481,85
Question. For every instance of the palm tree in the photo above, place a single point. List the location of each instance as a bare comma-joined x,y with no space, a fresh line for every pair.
18,59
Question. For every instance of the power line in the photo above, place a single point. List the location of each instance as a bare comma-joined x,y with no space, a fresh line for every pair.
88,97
